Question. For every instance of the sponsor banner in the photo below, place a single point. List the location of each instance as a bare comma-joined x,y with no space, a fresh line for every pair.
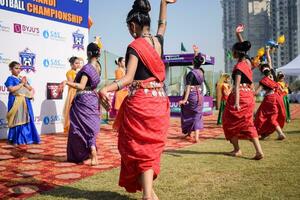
52,119
26,29
185,59
53,91
54,35
42,45
74,12
54,63
176,110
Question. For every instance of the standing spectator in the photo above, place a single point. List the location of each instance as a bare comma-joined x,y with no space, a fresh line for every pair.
20,115
71,74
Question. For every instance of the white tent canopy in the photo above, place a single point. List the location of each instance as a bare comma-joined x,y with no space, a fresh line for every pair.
292,68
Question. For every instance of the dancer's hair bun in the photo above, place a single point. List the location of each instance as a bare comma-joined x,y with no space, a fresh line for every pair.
141,6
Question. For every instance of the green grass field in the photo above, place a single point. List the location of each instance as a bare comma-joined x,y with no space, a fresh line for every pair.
202,171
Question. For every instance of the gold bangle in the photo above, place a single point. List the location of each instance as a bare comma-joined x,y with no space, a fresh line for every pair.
162,21
119,84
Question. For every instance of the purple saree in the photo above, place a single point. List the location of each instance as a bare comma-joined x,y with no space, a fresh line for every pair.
84,117
191,113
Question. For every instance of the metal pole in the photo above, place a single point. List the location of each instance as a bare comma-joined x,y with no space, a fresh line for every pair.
105,67
105,78
213,80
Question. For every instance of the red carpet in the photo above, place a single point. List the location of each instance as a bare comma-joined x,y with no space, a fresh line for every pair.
30,169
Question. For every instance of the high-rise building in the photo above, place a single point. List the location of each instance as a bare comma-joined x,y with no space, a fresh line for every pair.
298,20
285,20
254,14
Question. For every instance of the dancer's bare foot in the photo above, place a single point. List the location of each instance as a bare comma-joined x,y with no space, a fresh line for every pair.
154,196
94,157
188,135
281,137
235,153
262,137
258,156
87,161
94,162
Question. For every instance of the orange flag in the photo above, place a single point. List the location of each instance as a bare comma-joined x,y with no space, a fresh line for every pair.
90,22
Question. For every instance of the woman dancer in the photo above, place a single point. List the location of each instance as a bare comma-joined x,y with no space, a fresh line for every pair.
84,113
225,91
285,92
143,118
270,115
121,94
20,116
192,102
238,114
71,74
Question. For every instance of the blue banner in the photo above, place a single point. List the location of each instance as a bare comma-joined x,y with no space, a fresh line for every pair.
74,12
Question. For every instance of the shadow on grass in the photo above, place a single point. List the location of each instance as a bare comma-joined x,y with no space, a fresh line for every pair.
179,153
188,138
75,193
293,132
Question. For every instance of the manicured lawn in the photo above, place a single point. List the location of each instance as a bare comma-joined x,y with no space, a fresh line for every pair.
202,171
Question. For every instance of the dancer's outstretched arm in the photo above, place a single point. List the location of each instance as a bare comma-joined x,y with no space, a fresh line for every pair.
238,31
162,21
269,59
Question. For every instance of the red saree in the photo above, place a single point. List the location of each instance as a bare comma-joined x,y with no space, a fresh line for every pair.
239,123
271,112
143,120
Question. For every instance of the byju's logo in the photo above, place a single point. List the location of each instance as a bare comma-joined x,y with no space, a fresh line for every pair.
27,59
17,28
53,35
78,39
53,63
31,30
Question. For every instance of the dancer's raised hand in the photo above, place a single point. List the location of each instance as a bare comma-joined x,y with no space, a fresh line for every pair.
240,28
195,48
170,1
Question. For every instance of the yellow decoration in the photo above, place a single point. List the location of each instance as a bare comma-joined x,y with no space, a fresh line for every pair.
261,52
281,39
256,61
98,42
